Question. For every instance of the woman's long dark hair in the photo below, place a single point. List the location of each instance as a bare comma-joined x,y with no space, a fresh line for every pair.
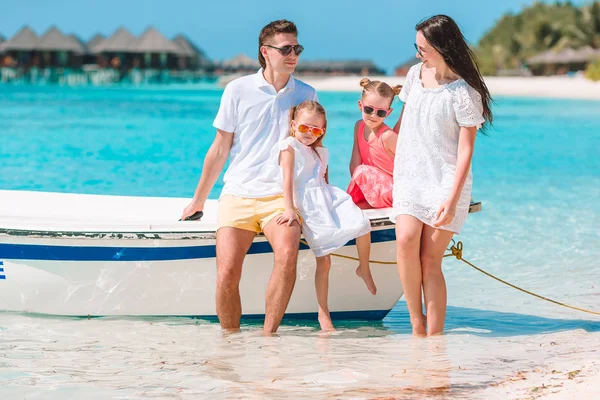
444,35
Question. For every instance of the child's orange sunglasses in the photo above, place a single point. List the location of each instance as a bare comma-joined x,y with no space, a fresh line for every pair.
315,130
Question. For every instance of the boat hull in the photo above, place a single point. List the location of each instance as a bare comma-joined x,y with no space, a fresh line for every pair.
154,271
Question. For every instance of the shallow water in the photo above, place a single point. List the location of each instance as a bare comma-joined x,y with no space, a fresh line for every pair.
537,174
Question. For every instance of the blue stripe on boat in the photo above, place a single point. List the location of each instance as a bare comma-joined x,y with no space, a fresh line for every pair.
368,315
364,315
92,253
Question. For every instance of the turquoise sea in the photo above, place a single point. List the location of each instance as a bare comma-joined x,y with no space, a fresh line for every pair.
537,173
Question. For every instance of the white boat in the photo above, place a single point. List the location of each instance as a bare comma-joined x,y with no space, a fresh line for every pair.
97,255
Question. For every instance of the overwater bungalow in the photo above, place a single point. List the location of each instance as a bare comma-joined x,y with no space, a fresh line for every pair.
114,51
91,56
191,57
59,51
242,64
154,51
20,49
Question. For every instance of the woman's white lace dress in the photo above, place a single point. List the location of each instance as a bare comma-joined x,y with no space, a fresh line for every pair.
426,154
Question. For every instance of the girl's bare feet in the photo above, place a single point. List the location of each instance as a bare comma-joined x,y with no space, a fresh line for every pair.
325,321
365,275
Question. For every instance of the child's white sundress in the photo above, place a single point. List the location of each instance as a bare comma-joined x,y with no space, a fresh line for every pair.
330,219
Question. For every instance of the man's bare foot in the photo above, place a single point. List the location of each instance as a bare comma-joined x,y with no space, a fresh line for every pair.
268,333
325,322
418,326
368,278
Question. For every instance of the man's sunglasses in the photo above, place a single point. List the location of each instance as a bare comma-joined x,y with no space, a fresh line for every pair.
287,50
381,112
315,130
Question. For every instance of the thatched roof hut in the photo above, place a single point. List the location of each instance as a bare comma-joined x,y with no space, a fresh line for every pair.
55,40
585,54
546,57
78,42
119,42
94,42
189,48
25,40
189,51
186,47
152,41
241,61
358,67
566,56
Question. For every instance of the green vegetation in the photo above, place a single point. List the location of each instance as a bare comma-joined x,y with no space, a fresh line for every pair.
593,71
538,28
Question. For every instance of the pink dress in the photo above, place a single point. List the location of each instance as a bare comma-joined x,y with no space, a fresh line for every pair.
373,180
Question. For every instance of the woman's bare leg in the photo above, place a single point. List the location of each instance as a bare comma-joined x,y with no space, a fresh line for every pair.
433,246
408,239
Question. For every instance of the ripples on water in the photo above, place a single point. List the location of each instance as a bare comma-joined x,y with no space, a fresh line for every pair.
538,175
180,357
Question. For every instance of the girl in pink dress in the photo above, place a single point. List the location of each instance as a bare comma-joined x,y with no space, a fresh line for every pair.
372,162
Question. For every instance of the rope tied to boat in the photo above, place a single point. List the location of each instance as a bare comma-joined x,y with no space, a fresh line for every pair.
456,250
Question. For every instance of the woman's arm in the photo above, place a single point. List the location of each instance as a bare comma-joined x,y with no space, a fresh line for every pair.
356,159
397,126
390,140
466,144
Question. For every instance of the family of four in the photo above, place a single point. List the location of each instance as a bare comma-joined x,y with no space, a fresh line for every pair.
271,128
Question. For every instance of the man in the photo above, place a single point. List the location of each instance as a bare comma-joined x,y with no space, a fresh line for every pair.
252,118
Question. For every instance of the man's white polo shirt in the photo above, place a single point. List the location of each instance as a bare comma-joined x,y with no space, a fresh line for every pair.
258,117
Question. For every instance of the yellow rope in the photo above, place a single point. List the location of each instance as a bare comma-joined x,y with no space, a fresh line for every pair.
456,251
355,258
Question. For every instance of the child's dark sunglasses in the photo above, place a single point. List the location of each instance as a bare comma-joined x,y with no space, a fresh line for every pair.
287,50
381,113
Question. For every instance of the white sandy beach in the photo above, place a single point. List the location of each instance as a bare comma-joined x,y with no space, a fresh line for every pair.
552,87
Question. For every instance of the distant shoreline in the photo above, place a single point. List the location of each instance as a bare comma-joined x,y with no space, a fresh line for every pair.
552,87
560,87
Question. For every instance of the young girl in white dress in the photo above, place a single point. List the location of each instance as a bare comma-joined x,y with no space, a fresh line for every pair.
328,215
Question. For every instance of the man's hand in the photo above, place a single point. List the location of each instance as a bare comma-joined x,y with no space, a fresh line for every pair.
192,208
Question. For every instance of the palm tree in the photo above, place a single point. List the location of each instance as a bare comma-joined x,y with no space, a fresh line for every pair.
586,30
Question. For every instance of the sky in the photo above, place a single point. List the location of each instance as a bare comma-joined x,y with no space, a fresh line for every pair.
381,31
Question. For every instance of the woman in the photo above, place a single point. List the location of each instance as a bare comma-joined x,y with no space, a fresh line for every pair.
446,101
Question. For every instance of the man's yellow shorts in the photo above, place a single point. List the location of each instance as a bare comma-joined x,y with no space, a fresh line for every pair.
248,213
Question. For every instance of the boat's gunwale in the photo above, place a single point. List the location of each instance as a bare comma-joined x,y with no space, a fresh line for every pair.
164,235
153,235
